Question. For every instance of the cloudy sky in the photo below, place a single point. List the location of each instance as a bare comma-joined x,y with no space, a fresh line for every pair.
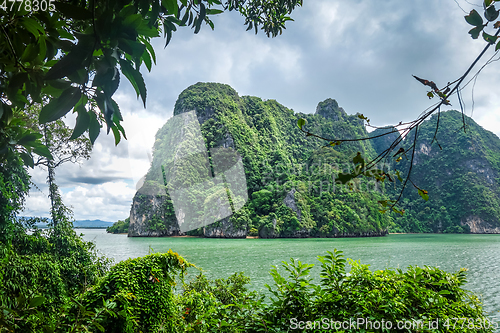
360,52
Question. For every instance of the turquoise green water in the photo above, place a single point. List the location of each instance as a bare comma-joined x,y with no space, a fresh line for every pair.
480,254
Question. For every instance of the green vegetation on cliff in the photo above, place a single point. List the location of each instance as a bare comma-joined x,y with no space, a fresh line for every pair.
462,178
290,177
119,227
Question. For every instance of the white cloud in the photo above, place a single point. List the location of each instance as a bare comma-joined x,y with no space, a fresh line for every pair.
103,187
109,201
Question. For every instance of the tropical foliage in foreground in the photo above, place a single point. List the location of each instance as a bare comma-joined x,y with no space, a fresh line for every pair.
44,289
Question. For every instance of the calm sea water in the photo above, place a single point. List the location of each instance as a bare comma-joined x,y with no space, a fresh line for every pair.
480,254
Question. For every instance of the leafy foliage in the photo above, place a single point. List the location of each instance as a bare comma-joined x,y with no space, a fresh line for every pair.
220,305
54,264
135,295
140,295
14,185
391,295
75,51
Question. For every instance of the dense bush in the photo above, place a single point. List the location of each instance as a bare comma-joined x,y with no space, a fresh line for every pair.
221,305
424,294
136,295
139,295
47,268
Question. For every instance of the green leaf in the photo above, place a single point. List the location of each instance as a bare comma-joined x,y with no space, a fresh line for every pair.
117,114
203,12
211,24
212,11
133,20
154,13
301,122
489,38
43,151
474,32
474,18
43,47
424,194
197,25
185,17
395,210
30,52
16,82
168,32
344,178
497,47
487,3
358,159
34,302
82,122
151,51
135,78
104,73
94,127
491,13
111,86
190,17
28,138
144,30
70,63
147,60
135,49
116,135
27,159
58,107
32,26
334,143
383,203
171,6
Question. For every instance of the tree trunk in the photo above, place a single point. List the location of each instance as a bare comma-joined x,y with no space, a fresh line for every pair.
53,195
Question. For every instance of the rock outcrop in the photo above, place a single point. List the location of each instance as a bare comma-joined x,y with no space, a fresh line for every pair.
147,212
477,225
330,109
224,229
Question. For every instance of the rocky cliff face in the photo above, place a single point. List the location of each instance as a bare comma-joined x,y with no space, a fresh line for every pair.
224,229
149,218
477,225
330,109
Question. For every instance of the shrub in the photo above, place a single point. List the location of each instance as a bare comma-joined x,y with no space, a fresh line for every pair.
424,294
136,295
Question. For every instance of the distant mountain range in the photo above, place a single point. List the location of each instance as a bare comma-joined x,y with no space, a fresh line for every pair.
92,224
87,224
